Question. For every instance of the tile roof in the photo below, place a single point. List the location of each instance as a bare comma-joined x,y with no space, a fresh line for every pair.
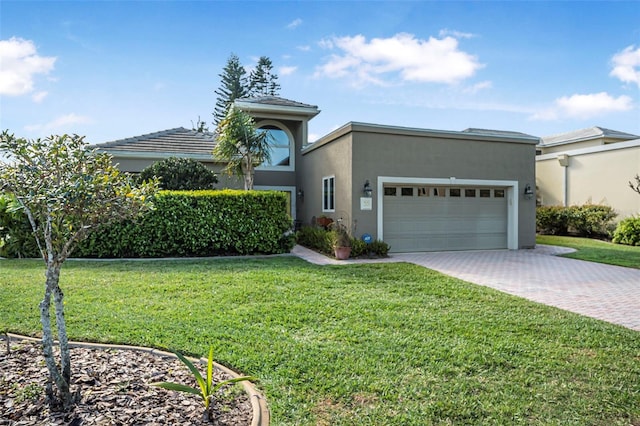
178,141
276,101
586,134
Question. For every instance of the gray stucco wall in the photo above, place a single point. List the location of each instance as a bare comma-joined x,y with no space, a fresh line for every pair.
359,155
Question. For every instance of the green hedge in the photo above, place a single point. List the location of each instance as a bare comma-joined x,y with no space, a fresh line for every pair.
199,223
628,232
16,234
318,238
589,220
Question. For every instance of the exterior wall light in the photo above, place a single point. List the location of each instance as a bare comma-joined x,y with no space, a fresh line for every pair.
368,192
528,192
300,194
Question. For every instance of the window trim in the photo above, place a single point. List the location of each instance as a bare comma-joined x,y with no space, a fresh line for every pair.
290,189
329,200
292,144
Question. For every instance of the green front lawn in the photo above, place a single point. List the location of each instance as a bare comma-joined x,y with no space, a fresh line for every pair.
374,344
595,250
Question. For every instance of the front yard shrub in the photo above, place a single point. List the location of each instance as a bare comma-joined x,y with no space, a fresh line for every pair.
320,239
552,220
315,238
199,223
588,220
628,232
379,247
359,248
591,220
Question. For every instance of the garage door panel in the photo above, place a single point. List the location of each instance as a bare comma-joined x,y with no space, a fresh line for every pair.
413,223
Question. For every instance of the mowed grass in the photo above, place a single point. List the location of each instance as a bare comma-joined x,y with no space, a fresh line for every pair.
595,250
376,344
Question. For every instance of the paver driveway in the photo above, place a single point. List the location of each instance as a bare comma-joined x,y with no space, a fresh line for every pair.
610,293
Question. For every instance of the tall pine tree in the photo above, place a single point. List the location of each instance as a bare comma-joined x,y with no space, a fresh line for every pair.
262,81
233,85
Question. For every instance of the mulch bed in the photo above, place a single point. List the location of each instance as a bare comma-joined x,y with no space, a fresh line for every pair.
114,389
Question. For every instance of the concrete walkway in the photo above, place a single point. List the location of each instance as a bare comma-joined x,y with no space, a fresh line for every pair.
610,293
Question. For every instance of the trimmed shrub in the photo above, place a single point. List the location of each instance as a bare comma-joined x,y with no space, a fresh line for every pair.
199,223
628,232
180,174
592,220
589,220
552,220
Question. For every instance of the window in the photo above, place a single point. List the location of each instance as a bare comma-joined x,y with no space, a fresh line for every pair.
454,192
328,194
407,191
281,144
423,191
469,193
390,191
498,193
485,193
439,192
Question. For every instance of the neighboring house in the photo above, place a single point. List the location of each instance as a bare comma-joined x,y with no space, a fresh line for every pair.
591,165
418,189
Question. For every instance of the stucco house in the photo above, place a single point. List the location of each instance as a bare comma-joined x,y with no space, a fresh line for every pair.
417,189
592,165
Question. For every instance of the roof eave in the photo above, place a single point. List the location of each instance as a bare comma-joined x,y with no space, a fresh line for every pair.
155,154
308,112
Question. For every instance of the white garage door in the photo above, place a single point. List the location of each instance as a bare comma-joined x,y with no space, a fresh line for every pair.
437,218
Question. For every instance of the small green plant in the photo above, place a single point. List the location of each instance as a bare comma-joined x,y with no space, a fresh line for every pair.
28,392
340,235
207,388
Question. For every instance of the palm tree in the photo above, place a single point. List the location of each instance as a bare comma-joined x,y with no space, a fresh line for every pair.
241,145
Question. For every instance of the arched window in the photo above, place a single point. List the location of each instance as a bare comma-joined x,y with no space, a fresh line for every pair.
282,145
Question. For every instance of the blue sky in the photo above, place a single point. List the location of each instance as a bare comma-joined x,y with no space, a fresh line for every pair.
111,70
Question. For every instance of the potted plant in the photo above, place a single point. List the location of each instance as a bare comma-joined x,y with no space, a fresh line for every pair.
340,241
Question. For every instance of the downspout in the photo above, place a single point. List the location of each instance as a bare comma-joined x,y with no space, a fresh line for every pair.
564,162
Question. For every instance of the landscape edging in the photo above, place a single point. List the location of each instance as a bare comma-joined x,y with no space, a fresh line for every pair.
261,415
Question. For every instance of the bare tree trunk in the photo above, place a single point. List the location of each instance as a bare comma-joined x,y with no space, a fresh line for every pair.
60,379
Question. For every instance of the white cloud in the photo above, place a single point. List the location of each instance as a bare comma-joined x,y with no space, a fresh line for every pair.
305,48
584,106
478,87
19,63
432,61
39,97
284,70
457,34
626,65
294,24
61,123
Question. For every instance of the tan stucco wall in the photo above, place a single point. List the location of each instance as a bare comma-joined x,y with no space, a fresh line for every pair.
593,177
549,180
